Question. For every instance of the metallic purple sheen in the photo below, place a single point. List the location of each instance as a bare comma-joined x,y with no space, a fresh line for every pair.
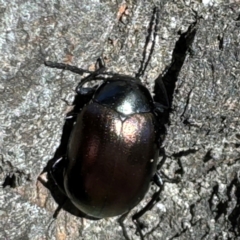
110,161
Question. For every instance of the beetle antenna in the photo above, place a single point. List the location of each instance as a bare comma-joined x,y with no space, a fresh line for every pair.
151,37
68,67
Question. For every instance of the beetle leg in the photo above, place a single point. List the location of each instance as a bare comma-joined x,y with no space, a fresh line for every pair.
160,177
149,206
60,206
164,157
120,221
157,179
92,75
56,172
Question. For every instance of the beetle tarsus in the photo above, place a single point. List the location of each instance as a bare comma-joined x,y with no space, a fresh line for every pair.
139,228
149,206
120,221
59,208
164,157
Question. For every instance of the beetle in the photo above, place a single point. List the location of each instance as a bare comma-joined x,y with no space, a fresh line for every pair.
114,146
113,150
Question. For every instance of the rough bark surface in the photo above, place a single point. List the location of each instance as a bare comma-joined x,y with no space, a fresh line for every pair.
203,139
